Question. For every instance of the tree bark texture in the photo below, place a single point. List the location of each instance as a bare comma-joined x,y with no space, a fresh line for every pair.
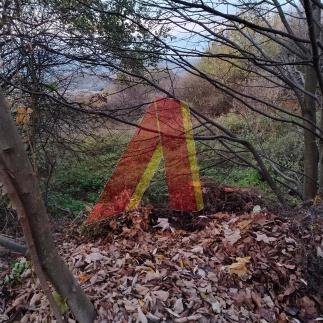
17,175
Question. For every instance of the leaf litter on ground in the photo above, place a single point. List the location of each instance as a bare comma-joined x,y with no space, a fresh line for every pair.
252,267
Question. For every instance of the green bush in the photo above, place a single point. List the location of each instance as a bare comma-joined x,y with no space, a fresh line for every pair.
79,178
239,177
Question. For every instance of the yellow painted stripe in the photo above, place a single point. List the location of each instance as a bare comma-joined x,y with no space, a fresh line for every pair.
192,155
146,178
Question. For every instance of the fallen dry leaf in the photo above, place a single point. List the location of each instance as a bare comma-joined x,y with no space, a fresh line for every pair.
93,257
264,238
164,224
197,249
244,224
178,306
239,267
141,317
231,236
145,274
161,294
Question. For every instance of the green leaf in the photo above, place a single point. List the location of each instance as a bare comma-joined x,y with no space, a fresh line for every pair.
61,302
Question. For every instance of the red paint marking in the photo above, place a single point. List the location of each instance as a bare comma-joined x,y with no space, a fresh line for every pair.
164,119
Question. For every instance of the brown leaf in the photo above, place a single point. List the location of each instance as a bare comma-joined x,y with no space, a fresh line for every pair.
239,268
23,115
35,299
20,300
83,278
232,236
308,307
256,299
178,306
151,275
93,257
197,249
264,238
161,294
244,224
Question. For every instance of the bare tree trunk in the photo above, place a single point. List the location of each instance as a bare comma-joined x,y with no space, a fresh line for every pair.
310,145
317,12
320,191
311,153
21,183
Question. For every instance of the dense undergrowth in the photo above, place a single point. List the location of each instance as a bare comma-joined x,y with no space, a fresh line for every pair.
278,144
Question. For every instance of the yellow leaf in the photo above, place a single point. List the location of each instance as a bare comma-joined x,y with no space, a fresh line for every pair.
244,225
239,268
23,115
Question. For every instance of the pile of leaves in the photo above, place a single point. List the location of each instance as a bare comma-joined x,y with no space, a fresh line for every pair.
220,198
256,267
